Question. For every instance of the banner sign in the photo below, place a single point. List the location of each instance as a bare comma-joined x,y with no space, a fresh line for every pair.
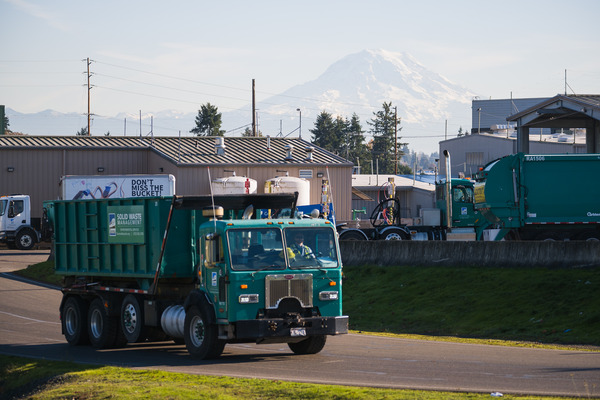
126,224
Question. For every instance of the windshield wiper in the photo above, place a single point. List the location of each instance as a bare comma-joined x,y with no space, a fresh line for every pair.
266,268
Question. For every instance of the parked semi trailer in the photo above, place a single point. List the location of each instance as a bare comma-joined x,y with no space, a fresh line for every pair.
539,197
197,270
74,187
18,229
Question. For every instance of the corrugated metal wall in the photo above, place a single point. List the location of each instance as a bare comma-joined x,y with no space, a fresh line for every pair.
38,172
193,180
494,112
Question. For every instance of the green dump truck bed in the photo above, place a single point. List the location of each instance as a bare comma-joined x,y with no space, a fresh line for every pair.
123,237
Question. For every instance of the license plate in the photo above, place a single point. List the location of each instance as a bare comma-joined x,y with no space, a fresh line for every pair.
298,331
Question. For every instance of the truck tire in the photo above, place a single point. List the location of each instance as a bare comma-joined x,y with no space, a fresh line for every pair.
201,334
590,236
25,239
311,345
393,234
351,235
102,328
132,319
74,321
549,236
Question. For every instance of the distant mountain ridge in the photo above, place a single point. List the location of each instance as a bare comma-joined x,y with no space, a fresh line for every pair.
358,83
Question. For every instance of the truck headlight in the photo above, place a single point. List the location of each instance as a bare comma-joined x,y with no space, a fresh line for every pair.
329,296
248,298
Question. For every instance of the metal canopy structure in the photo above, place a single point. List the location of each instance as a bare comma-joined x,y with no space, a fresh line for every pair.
561,111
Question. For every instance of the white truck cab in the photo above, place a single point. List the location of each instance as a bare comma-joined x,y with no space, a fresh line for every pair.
16,229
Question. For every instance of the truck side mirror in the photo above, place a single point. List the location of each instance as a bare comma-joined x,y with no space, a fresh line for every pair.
11,210
212,250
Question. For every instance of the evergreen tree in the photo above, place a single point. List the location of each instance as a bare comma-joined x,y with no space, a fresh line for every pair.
248,133
324,133
208,121
6,125
356,149
383,130
82,132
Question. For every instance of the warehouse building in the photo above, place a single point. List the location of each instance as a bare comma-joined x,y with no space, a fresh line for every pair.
34,165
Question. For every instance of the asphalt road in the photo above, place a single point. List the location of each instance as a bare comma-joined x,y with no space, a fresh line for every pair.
30,326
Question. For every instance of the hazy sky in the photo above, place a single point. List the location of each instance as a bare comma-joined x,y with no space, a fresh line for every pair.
152,56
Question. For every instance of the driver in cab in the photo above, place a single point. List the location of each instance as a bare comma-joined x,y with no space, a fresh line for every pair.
299,248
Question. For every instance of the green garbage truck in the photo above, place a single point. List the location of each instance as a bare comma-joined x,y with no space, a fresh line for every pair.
539,197
199,270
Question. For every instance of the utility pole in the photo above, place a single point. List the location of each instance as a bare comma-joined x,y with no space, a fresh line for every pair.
253,110
89,89
396,140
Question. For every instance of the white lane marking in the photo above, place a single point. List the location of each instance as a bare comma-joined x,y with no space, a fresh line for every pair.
29,319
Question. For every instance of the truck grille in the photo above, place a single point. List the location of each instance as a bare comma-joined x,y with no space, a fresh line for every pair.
299,286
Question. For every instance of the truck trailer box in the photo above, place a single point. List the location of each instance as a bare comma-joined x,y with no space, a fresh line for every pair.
541,197
121,237
75,187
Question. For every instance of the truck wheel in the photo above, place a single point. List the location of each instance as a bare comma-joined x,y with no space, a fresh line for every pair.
548,236
132,319
394,234
74,321
351,235
311,345
25,239
200,334
591,236
102,328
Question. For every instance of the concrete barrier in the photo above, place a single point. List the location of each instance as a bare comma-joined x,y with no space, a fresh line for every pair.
486,254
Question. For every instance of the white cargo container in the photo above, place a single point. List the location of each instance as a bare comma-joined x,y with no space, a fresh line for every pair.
115,186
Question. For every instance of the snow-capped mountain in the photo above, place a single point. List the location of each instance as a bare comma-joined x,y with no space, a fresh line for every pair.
358,83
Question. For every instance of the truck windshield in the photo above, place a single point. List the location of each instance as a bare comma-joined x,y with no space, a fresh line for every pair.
462,194
3,204
311,247
256,248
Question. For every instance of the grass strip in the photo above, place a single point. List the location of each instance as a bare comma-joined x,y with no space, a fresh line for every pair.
43,379
536,305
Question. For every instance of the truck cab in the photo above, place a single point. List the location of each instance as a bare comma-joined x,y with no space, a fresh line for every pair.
16,228
273,281
463,212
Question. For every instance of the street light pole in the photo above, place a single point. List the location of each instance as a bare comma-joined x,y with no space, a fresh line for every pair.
300,127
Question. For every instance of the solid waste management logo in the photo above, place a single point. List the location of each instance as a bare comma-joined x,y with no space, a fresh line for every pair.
126,224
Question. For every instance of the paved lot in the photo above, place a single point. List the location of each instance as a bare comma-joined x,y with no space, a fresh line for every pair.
14,260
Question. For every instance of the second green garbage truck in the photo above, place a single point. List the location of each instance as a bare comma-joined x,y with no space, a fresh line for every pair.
539,197
200,270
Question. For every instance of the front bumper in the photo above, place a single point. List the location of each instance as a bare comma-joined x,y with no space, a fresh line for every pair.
271,328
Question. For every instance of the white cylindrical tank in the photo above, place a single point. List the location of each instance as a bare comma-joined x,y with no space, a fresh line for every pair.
234,185
290,184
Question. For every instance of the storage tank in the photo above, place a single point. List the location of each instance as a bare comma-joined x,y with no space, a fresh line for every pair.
234,185
290,184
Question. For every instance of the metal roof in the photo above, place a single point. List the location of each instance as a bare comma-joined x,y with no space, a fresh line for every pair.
560,111
366,182
192,150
